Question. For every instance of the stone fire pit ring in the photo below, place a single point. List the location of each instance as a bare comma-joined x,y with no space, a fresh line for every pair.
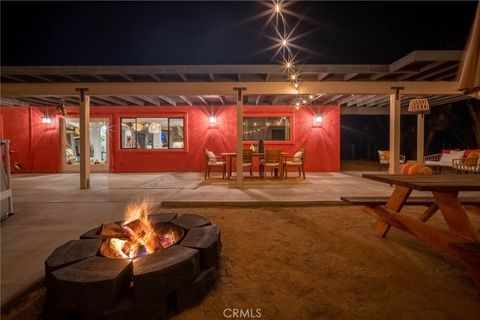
82,284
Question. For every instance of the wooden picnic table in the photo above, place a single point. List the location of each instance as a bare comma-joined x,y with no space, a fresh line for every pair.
230,155
461,239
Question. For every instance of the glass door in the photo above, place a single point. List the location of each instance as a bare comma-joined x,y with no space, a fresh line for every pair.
98,145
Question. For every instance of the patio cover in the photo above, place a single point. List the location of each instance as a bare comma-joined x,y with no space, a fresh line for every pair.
469,81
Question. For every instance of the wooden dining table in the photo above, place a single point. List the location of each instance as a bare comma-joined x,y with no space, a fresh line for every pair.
461,239
230,155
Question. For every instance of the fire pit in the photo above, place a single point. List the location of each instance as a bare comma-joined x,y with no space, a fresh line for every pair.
145,266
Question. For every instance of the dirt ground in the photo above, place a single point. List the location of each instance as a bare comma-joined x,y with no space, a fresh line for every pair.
325,263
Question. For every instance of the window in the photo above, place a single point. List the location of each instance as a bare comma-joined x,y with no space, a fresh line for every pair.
266,128
152,133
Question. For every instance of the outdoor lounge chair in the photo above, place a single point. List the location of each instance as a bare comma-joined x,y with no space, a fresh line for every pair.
297,162
471,163
444,159
384,157
213,161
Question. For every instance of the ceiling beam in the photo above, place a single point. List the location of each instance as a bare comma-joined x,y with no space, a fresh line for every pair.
133,100
205,102
42,78
13,78
226,88
113,101
378,76
221,100
127,77
322,76
12,102
369,111
150,100
358,100
275,99
155,77
187,101
96,76
259,99
421,55
423,69
168,100
452,67
71,78
349,76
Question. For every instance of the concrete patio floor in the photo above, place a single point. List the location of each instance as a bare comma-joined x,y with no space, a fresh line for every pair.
50,209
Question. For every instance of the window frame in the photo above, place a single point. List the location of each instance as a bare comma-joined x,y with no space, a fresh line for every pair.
183,117
273,115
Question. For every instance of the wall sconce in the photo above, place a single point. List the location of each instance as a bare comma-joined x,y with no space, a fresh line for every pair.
317,120
46,119
212,120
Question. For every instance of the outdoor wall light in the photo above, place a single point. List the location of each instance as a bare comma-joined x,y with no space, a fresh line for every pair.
46,119
317,120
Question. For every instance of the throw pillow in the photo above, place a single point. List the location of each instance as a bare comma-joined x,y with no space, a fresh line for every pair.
211,157
471,159
297,157
386,155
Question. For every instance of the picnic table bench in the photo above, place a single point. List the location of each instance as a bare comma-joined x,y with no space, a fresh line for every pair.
461,239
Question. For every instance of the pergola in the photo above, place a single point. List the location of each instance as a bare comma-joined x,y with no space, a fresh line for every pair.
357,89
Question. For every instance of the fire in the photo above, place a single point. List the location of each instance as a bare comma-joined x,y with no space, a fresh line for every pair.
136,236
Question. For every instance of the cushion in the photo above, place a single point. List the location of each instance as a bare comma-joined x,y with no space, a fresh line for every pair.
446,158
415,169
211,157
471,159
297,157
386,155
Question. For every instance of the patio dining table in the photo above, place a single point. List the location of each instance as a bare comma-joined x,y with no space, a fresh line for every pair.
230,155
461,239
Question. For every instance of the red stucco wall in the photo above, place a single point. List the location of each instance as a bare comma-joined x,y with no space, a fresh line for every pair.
37,146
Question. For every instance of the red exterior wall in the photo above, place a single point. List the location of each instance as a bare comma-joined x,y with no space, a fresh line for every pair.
37,146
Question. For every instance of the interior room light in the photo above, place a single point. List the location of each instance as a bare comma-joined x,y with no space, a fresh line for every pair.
46,119
318,119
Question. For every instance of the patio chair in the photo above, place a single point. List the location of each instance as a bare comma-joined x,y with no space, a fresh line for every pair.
297,162
384,157
213,161
272,161
248,160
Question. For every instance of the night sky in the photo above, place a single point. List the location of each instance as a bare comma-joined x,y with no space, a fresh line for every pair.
142,33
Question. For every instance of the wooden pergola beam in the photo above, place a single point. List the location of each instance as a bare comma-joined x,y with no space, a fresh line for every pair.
225,88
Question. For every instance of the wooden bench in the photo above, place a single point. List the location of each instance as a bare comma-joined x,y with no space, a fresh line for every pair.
416,201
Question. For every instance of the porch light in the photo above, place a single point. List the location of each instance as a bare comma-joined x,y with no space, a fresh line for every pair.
318,119
419,105
46,119
212,120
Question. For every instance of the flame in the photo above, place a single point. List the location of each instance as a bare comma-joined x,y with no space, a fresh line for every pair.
142,238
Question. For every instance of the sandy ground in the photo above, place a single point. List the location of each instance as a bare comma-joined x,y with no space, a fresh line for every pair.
324,263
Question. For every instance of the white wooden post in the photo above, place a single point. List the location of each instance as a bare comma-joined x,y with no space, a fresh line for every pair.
420,137
239,135
394,166
84,139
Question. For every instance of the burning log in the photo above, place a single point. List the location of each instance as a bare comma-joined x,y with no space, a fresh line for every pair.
113,230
